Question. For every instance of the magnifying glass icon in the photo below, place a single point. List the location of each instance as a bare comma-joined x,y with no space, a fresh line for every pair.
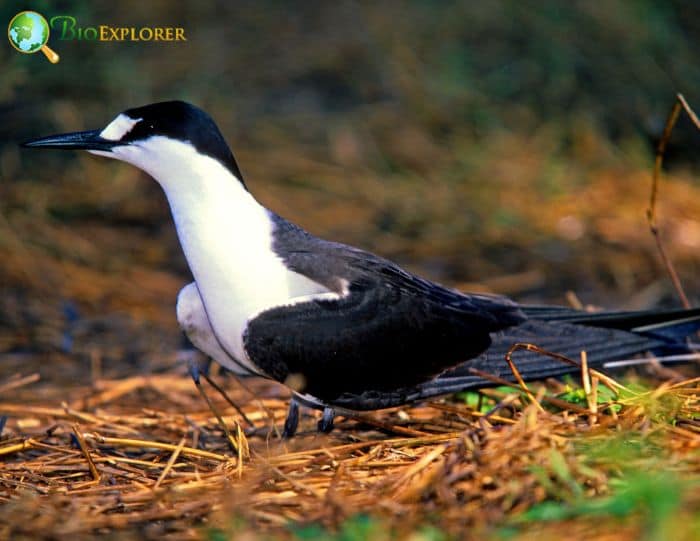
28,32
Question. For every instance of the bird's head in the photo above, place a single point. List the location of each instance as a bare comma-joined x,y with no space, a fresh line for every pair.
156,138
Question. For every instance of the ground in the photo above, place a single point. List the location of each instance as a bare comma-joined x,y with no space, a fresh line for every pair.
142,457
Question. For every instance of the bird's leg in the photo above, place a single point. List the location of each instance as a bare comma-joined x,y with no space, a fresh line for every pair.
290,425
193,369
292,421
227,398
325,425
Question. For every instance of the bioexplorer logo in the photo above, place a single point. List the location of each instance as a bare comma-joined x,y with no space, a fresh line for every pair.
29,32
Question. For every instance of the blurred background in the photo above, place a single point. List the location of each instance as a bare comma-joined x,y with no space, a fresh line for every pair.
501,146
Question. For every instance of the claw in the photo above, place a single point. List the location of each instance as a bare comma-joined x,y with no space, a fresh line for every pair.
292,421
193,369
325,425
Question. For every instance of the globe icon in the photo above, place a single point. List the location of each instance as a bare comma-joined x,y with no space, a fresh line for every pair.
28,32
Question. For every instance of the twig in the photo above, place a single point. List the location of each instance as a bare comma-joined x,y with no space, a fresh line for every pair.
472,412
299,485
16,447
680,104
420,465
516,372
593,400
86,452
387,427
129,442
585,374
19,382
171,461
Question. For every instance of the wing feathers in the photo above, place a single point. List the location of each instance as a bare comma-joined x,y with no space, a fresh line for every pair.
378,337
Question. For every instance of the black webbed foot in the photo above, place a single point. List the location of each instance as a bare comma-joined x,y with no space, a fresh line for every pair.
292,421
325,425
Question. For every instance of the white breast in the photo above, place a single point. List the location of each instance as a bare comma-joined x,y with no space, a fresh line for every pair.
226,236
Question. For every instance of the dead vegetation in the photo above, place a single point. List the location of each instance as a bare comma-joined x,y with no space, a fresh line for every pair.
144,456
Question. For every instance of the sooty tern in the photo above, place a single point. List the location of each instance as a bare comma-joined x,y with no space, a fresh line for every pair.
271,300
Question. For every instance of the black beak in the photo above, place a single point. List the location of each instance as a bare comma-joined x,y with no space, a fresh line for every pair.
84,140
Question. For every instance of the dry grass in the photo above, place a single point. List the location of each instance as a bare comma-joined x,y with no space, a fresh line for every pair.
144,457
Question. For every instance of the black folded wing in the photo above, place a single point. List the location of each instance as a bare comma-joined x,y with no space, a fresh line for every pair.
388,330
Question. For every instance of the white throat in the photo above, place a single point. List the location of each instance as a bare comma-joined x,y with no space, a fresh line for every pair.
226,236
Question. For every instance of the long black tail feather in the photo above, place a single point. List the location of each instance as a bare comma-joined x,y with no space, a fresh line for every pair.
674,324
604,336
567,339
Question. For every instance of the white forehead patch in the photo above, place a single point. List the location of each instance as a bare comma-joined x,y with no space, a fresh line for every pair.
119,127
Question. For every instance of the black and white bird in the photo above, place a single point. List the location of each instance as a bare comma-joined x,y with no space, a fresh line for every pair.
352,329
